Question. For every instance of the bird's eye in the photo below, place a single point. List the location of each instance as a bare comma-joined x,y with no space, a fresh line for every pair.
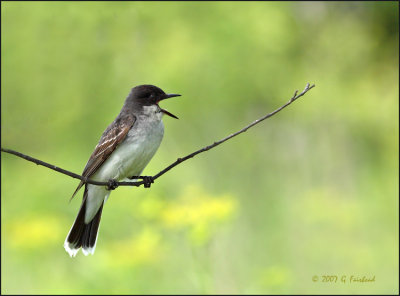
146,95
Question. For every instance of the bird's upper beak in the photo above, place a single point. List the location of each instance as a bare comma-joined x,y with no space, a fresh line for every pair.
167,96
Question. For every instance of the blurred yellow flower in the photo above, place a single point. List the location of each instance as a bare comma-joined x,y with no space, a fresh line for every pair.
140,249
150,206
33,231
199,212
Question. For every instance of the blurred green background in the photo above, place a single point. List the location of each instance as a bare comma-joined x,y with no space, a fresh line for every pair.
312,191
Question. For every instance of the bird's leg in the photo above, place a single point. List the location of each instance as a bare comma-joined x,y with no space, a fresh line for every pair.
147,181
112,184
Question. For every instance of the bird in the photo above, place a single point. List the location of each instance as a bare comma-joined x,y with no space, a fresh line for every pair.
124,149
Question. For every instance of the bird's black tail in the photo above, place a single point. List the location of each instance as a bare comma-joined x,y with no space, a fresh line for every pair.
82,234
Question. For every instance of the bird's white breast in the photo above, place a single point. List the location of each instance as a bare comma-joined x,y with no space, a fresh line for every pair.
129,158
134,153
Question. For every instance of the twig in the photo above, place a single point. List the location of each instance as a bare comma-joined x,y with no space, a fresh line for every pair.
68,173
174,164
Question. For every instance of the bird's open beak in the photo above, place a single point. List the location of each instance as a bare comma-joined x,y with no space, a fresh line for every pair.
167,96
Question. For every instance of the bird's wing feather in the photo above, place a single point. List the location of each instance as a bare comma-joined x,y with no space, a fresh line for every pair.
111,138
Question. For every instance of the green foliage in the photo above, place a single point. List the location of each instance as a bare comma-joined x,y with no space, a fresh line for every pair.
311,191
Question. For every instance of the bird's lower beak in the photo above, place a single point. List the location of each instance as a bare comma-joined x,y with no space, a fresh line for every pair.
167,96
168,113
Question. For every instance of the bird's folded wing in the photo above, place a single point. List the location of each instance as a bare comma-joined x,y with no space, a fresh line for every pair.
111,138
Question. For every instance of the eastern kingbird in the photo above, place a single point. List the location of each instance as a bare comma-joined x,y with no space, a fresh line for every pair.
124,149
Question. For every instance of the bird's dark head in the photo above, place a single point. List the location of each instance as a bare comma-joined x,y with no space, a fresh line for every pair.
148,95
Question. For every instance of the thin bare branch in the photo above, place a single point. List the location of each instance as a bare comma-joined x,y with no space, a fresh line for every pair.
172,165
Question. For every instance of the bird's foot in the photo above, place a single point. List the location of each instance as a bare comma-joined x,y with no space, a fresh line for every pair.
147,181
112,184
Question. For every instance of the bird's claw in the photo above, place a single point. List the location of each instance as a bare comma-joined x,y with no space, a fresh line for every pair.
112,184
147,181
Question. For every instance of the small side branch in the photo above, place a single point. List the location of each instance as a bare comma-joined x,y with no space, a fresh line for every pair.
172,165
